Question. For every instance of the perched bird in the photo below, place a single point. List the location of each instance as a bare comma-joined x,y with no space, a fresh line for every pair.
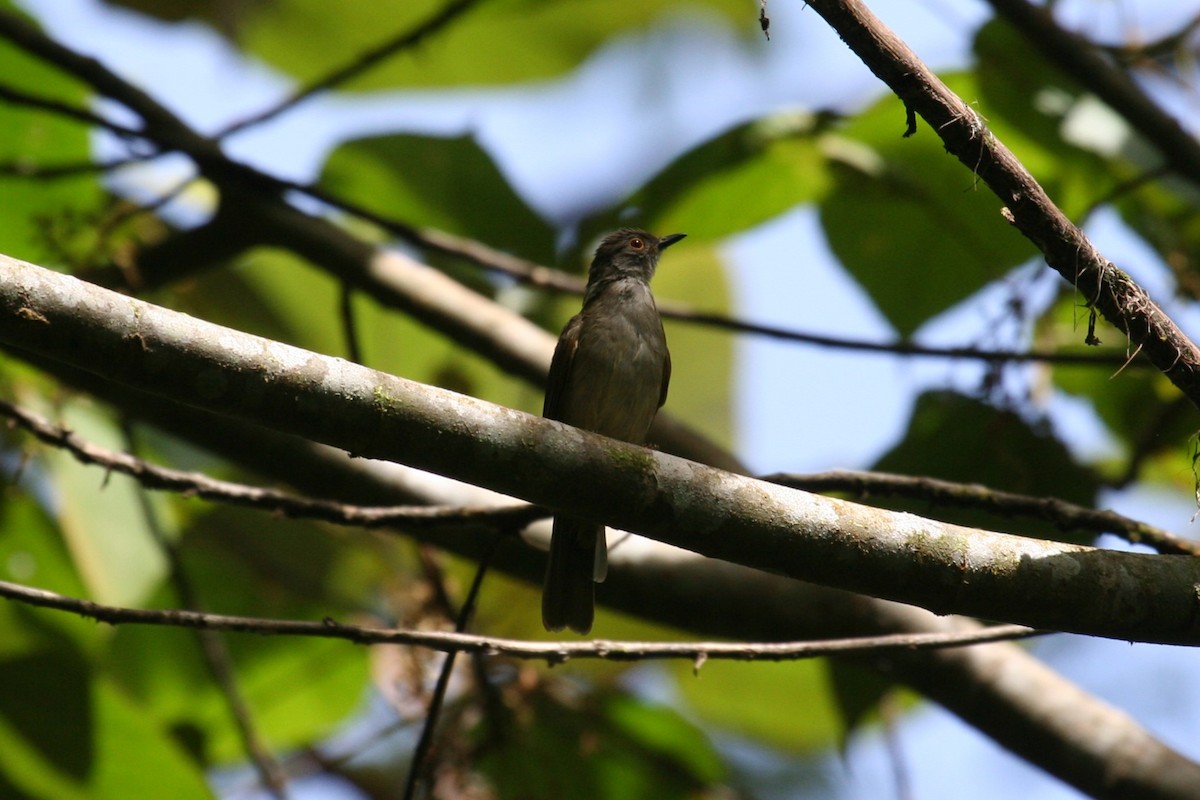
609,375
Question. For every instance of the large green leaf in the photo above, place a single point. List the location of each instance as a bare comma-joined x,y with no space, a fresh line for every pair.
909,222
731,183
498,41
82,739
447,183
38,210
102,517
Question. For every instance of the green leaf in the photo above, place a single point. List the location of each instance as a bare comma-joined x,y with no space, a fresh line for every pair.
733,182
702,358
958,438
909,222
59,733
65,735
446,183
33,208
664,731
135,757
614,747
102,517
500,41
786,705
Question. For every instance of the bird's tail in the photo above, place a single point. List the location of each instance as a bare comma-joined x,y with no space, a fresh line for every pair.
577,560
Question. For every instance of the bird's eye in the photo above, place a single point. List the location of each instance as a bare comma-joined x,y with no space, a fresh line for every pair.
637,244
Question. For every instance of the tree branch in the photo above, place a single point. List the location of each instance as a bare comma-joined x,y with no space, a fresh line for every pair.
943,567
1065,248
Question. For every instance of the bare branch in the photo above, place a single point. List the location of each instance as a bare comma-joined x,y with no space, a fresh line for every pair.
151,476
550,652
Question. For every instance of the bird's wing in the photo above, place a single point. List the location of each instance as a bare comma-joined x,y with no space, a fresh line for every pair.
560,368
666,379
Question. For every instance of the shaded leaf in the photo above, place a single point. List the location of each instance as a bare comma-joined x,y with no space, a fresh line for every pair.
615,747
60,731
856,694
958,438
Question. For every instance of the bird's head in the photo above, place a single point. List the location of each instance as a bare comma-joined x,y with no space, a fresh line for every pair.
628,253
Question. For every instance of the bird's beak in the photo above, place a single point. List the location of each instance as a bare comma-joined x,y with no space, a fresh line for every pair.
669,240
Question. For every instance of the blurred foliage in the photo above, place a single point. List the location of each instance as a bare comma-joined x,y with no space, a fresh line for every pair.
135,711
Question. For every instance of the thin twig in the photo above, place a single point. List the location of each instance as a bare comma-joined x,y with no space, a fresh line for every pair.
550,652
418,766
18,97
1067,516
24,168
156,477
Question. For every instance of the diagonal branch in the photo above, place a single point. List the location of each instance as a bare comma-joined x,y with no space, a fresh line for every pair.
1065,248
943,567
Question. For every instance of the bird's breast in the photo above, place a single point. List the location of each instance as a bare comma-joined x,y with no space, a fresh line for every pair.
617,373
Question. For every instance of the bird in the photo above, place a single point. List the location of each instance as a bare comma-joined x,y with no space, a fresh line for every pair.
609,375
